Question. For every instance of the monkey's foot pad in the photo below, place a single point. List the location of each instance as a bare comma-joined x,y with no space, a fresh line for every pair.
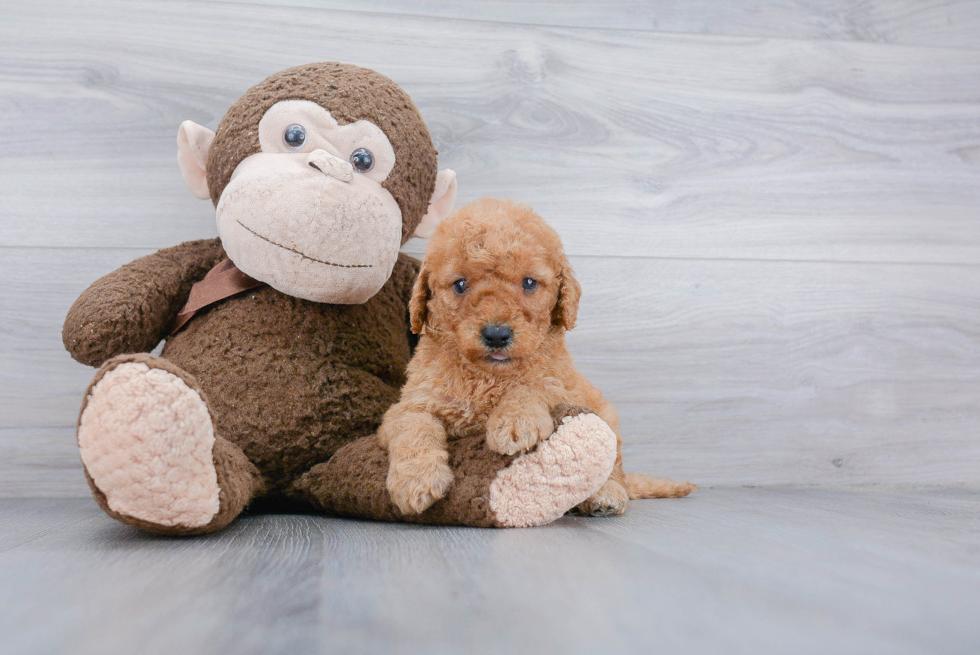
146,440
561,472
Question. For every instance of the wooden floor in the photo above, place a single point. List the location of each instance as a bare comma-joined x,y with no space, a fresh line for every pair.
756,571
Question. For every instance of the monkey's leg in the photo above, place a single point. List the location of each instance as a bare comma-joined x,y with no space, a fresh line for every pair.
150,452
489,489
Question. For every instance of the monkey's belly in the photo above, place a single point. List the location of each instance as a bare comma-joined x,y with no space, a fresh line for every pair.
286,387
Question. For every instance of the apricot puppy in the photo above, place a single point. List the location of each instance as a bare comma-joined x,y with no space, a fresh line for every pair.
492,302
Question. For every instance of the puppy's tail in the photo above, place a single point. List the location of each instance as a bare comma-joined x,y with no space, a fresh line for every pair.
643,486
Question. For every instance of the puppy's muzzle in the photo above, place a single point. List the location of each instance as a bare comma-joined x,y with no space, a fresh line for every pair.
497,337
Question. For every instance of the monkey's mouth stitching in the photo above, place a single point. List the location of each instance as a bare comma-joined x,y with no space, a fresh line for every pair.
303,255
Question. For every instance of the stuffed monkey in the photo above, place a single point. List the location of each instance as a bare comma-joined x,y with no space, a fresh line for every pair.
287,337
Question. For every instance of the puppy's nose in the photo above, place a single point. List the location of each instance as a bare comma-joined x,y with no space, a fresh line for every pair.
497,336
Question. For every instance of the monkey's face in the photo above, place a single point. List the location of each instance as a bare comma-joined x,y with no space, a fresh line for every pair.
308,214
311,203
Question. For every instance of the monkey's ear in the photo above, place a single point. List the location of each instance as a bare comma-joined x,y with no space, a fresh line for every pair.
417,310
565,312
440,205
193,143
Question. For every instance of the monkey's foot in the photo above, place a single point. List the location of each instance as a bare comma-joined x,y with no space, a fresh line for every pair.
569,467
146,441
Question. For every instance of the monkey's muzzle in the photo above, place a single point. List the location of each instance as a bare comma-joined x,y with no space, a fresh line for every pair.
331,165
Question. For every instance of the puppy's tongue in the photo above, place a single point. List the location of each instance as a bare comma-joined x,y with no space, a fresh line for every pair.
499,356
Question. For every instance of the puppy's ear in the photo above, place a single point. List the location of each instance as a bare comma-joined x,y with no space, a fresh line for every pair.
565,311
417,310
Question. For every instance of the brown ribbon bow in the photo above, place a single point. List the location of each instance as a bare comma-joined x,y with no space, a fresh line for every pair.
223,281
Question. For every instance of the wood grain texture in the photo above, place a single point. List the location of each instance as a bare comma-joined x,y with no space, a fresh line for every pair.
943,23
41,462
726,570
723,372
630,143
779,238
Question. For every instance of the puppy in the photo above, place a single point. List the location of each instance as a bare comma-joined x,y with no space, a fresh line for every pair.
492,302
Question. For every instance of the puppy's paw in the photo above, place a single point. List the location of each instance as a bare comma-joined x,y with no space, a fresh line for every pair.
417,482
608,501
511,432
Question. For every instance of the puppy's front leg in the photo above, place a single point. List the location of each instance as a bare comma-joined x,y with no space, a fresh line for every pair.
520,420
418,468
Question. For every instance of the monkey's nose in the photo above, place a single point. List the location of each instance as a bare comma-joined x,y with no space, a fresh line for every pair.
331,165
497,336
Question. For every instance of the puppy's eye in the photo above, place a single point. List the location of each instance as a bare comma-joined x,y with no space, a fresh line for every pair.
362,160
459,286
294,137
529,285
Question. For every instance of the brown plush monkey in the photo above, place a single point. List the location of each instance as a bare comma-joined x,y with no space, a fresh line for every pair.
287,337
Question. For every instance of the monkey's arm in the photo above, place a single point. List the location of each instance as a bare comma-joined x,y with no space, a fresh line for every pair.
130,309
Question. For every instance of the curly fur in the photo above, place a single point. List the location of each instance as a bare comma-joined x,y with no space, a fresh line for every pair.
455,389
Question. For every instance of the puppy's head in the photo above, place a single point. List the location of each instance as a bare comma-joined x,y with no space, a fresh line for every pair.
495,284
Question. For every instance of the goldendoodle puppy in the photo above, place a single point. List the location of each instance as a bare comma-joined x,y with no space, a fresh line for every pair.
492,303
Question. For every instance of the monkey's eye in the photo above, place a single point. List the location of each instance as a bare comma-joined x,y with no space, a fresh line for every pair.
459,286
362,160
294,137
528,284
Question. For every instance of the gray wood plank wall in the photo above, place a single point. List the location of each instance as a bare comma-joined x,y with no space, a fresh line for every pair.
774,208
